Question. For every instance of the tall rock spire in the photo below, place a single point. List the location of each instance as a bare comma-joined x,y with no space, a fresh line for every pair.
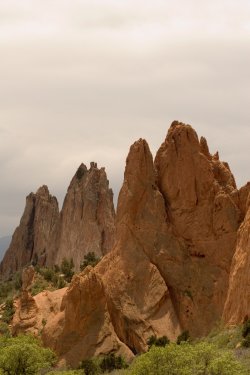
31,238
87,218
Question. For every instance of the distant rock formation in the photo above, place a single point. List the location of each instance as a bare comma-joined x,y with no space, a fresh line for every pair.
31,238
85,224
87,219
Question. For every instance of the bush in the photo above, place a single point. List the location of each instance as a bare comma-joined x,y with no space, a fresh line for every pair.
24,355
246,341
184,336
246,328
9,311
4,329
187,359
67,269
161,341
90,367
112,362
90,259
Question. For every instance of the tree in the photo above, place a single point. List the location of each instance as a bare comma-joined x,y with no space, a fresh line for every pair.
90,259
23,355
187,359
67,268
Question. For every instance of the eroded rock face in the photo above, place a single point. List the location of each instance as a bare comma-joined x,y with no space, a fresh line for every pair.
83,328
202,213
237,307
30,240
168,271
87,218
124,300
32,313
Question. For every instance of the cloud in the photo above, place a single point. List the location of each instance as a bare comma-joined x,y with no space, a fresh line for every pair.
82,80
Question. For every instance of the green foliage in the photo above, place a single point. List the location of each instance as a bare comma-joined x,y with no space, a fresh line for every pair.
246,334
39,285
17,281
246,341
9,311
187,359
90,367
224,338
67,269
90,259
23,355
184,336
246,328
161,341
4,329
66,372
10,288
103,364
112,362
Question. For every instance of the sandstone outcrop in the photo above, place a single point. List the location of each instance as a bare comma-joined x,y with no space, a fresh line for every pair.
237,307
87,218
179,220
31,238
202,213
32,313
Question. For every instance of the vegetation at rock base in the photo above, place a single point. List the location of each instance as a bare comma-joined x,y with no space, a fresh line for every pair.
8,311
157,341
11,287
23,355
67,267
184,336
246,334
104,364
90,259
187,359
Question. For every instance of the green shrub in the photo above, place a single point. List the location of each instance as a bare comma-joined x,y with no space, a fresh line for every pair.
9,311
4,329
186,359
18,281
48,274
184,336
90,259
246,341
246,328
161,341
67,269
112,362
90,366
24,355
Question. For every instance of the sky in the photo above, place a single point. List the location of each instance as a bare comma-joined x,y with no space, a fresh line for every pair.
81,80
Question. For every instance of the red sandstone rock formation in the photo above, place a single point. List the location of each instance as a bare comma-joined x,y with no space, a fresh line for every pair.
202,213
177,223
237,307
30,239
87,218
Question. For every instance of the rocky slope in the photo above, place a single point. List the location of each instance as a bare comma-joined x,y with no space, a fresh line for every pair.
173,266
87,218
30,239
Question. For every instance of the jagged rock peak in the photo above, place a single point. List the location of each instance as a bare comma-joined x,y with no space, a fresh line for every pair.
87,218
31,238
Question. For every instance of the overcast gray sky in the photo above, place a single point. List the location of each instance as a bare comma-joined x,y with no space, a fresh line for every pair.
81,80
